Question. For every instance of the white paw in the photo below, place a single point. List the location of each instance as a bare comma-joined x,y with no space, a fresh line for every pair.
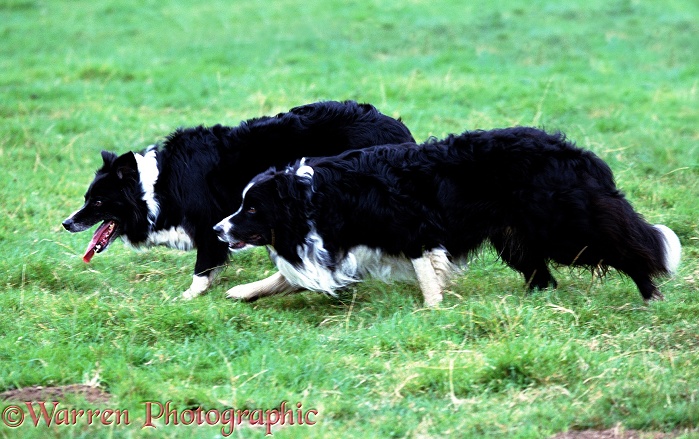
240,292
189,294
199,285
433,300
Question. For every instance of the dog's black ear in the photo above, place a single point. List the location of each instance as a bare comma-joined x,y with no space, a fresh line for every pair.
292,188
108,157
126,166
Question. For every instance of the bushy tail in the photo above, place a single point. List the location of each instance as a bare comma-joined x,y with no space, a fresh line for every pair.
672,251
656,251
636,248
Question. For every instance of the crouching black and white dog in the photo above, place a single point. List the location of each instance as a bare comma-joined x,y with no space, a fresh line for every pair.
173,194
534,196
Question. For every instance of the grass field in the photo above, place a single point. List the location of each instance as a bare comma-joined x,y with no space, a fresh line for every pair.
620,77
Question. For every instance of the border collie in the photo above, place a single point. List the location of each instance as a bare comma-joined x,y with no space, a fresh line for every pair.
172,194
536,197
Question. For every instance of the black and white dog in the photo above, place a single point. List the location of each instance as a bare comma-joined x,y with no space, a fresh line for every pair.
173,194
534,196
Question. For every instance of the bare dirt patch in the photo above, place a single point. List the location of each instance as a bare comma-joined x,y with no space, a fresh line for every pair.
91,394
613,433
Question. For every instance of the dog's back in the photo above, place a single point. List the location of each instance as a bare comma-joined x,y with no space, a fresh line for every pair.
226,158
535,196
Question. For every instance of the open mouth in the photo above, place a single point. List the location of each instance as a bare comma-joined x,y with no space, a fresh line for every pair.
100,240
253,240
237,245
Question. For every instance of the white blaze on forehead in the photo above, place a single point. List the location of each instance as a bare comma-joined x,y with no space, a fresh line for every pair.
245,192
247,188
226,223
148,174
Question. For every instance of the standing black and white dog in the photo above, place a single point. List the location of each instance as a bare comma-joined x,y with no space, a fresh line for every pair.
534,196
173,194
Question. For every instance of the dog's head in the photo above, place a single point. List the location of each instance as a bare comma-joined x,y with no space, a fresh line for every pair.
111,198
274,208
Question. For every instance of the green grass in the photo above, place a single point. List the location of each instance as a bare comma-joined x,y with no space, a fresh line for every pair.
619,77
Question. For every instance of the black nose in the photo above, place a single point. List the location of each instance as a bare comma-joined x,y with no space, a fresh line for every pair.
218,228
67,224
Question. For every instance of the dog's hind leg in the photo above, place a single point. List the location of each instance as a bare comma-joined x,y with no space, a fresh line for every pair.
442,265
517,255
646,286
539,277
275,284
428,279
536,273
634,247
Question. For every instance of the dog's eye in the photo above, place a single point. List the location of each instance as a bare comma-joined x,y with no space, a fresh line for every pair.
251,210
97,203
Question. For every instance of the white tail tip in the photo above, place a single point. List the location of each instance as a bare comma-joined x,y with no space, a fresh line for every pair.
673,248
305,171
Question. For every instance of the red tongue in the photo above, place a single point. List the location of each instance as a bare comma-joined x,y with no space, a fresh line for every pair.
88,255
100,237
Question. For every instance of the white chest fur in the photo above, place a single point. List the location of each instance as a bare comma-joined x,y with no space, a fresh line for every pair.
314,273
174,237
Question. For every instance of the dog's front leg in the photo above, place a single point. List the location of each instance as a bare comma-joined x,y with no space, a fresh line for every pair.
200,283
429,281
211,258
275,284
